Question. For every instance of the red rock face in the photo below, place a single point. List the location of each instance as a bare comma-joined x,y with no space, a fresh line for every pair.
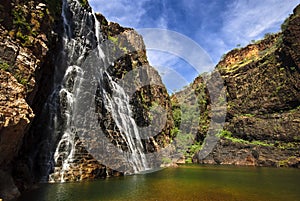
25,37
28,50
262,123
15,116
262,83
144,96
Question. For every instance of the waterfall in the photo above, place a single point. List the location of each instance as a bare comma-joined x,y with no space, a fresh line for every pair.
122,114
68,105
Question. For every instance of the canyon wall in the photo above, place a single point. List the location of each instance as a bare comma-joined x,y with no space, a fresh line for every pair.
39,71
262,95
67,75
26,40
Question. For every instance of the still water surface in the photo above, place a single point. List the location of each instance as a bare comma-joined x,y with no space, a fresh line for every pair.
188,182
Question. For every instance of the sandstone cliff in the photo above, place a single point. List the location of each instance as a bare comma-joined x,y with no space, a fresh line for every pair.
30,56
148,90
262,91
25,41
262,87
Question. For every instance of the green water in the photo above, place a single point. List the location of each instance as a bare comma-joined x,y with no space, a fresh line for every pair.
198,183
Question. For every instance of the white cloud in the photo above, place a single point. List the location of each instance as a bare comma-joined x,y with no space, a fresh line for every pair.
163,19
158,58
169,69
213,43
243,21
217,27
162,22
128,13
173,80
125,12
179,45
166,65
246,20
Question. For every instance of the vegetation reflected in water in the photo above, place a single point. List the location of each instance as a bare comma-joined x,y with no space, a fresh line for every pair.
188,182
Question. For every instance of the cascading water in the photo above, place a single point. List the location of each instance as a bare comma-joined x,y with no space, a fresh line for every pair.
69,99
122,114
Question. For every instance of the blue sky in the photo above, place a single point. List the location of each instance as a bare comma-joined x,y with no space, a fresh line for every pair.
217,26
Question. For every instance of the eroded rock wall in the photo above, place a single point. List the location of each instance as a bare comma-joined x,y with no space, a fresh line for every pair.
26,35
31,44
263,93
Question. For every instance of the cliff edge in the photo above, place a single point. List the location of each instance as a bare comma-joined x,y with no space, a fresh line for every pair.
262,83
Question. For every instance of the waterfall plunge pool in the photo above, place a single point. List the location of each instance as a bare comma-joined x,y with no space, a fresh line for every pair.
187,182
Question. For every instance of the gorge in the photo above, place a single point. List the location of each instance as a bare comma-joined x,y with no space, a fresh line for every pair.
79,100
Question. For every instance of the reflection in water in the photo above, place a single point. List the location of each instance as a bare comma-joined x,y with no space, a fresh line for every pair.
184,183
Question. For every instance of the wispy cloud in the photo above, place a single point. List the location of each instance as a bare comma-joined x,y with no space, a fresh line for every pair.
173,50
246,20
234,22
136,14
217,26
167,66
127,13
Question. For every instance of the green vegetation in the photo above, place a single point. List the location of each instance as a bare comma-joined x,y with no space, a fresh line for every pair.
228,135
115,40
125,50
3,65
267,35
26,22
84,3
154,110
166,160
23,27
144,99
185,144
284,163
189,113
202,96
255,142
249,115
53,9
174,131
177,117
192,150
224,133
263,56
287,145
296,138
21,79
181,139
275,41
278,88
285,23
295,109
6,67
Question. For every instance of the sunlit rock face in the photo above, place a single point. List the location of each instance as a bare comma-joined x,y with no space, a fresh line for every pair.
25,40
73,85
94,122
262,86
